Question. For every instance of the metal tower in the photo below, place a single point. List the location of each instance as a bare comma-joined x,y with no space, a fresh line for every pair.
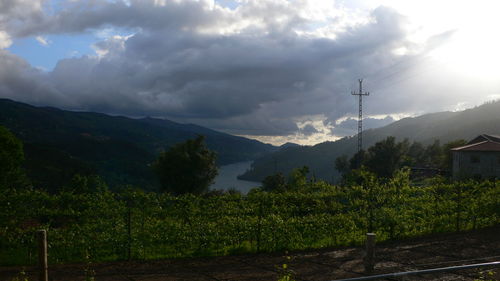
360,116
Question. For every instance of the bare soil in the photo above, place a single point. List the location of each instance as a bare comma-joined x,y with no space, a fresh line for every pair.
435,251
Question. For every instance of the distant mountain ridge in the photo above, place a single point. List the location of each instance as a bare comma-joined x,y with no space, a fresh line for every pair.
443,126
60,143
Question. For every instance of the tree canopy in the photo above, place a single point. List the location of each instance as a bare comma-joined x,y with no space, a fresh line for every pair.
388,156
384,158
187,167
11,159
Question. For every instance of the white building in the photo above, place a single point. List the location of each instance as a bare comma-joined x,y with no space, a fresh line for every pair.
479,159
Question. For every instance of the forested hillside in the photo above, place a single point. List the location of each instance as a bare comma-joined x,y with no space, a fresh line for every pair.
59,144
320,158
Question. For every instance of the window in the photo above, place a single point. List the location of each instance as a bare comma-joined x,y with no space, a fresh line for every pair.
475,159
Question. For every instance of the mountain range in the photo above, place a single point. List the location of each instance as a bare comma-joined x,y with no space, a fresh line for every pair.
59,144
320,158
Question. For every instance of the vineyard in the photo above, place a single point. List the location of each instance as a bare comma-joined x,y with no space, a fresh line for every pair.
133,224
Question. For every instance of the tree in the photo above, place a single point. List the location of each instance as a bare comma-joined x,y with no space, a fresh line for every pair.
274,182
11,159
357,160
434,154
86,184
298,178
342,164
187,167
416,155
385,157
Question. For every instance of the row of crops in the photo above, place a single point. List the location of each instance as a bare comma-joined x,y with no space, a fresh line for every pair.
133,224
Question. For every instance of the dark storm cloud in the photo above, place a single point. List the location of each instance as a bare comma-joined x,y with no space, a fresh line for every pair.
308,130
260,123
251,82
349,127
19,81
80,16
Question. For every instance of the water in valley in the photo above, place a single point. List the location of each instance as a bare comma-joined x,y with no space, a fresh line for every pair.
227,178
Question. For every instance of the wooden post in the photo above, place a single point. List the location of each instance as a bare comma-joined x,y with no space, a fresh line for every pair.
370,252
129,231
259,226
42,255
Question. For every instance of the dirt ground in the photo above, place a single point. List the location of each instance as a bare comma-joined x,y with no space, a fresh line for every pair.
326,264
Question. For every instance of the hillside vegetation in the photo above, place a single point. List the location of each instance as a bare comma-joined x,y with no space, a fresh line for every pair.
320,158
101,225
59,144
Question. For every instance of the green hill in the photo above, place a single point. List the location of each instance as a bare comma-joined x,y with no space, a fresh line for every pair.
60,144
443,126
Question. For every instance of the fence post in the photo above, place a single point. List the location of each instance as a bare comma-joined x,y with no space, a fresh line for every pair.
42,255
129,231
259,226
458,209
369,260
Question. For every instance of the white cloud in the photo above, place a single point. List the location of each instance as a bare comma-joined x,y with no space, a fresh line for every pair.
43,41
111,46
5,40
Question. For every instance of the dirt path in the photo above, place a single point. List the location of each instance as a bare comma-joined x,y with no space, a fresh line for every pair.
326,264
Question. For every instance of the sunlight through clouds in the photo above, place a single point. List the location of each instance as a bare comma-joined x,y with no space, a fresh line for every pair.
276,71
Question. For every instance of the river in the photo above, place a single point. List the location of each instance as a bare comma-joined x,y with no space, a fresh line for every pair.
227,178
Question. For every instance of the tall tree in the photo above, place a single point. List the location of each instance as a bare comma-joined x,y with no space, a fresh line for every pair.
385,157
357,160
416,155
434,153
11,159
274,182
298,178
187,167
342,164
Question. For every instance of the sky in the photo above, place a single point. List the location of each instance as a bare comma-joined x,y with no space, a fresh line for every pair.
274,70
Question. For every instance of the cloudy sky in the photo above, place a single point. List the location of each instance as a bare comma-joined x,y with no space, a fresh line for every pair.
274,70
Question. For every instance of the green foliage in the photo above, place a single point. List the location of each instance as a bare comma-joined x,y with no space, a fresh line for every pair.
50,169
360,177
187,167
105,226
21,276
357,160
342,164
60,144
486,275
444,126
86,184
286,274
11,159
434,154
298,178
386,157
274,182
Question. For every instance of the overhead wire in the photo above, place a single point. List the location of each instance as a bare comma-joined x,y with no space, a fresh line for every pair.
399,68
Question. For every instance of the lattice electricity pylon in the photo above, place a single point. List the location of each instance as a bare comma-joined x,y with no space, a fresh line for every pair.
360,116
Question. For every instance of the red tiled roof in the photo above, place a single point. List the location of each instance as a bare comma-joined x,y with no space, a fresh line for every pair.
479,146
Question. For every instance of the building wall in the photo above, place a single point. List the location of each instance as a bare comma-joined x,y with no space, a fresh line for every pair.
476,164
